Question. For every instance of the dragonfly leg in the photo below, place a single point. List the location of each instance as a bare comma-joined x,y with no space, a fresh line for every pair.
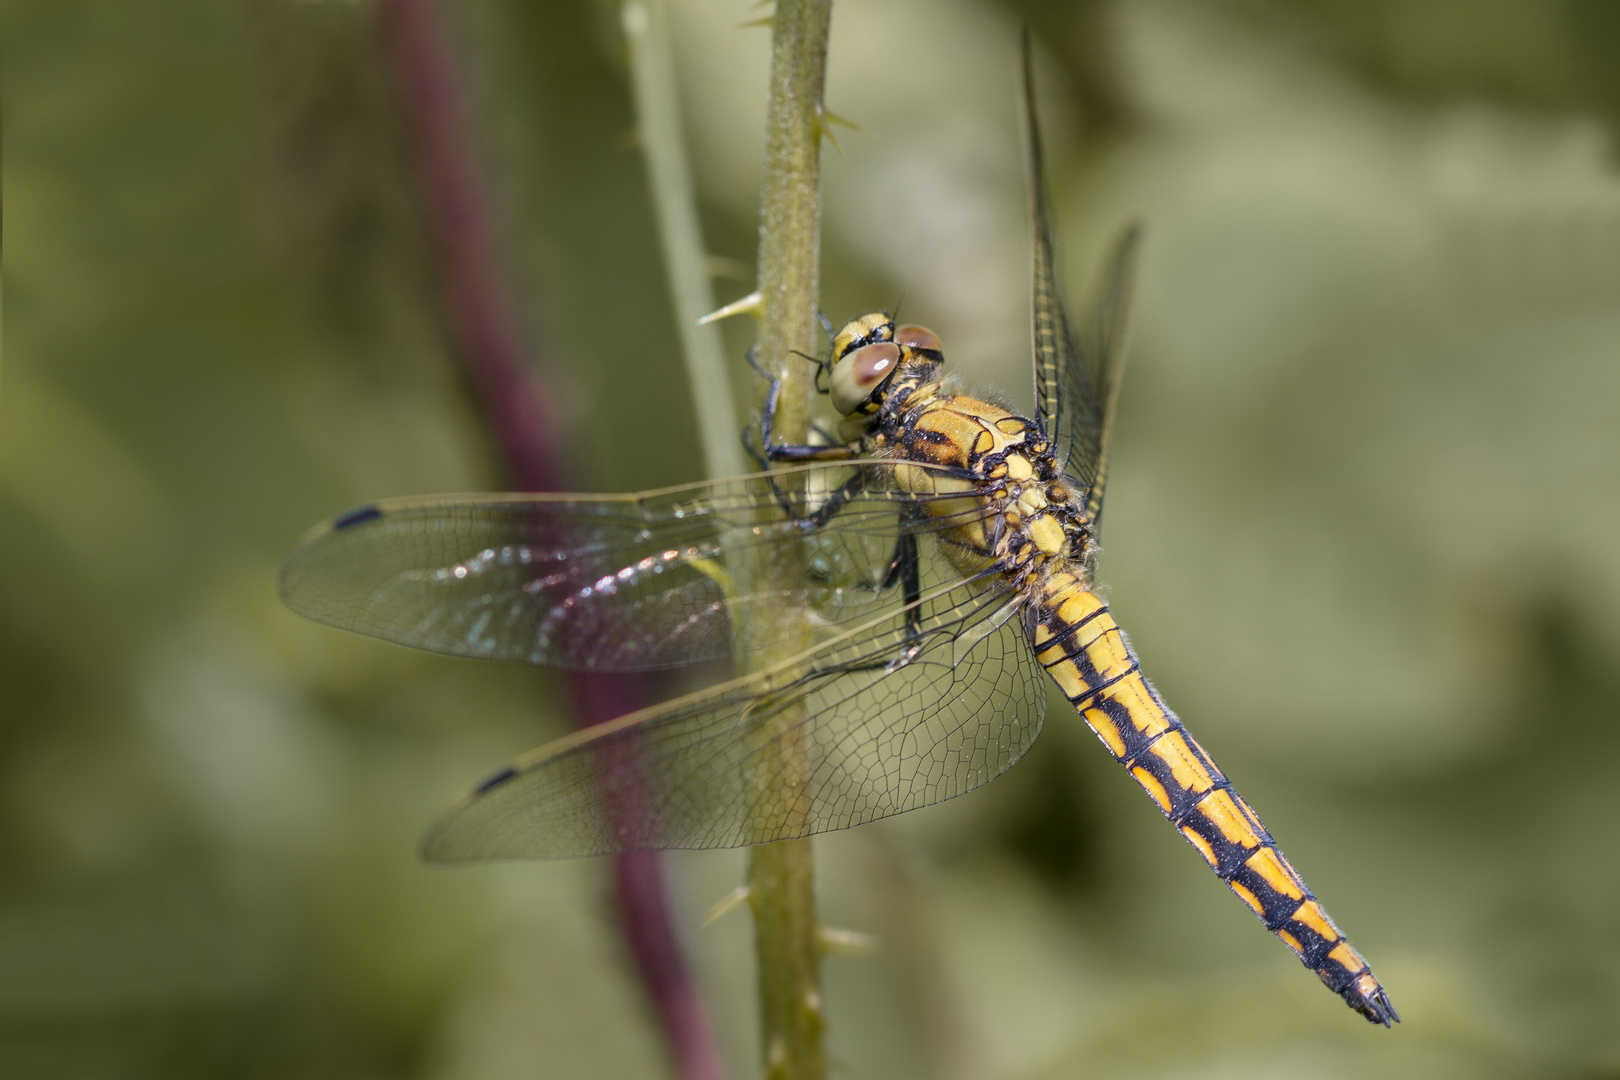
770,453
906,568
835,502
822,514
827,326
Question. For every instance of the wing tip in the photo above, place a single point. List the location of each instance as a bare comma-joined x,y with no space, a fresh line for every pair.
287,579
436,851
439,846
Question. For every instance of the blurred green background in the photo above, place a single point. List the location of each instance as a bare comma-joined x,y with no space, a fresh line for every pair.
1369,449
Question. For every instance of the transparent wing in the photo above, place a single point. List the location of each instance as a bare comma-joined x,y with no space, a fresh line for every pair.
1076,381
873,721
625,582
1105,338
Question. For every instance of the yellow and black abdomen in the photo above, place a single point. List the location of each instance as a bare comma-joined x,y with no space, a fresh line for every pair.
1081,646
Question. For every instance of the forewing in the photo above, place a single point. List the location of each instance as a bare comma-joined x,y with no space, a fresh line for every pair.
1076,380
874,721
1106,336
602,582
1066,406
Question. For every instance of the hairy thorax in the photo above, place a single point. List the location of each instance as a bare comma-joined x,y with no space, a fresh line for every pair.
1016,511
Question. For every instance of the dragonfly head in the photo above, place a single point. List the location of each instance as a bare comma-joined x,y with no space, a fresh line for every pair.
866,354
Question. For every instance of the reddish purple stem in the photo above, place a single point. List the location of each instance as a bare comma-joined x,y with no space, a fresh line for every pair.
514,401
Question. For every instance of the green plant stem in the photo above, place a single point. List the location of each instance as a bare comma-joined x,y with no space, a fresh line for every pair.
652,75
780,875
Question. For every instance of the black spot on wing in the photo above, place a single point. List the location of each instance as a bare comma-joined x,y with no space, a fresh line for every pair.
495,781
356,517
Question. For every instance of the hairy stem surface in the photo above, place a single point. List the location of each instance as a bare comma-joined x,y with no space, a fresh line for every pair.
780,875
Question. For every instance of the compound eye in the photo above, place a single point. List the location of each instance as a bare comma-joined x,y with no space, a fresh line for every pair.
918,337
862,371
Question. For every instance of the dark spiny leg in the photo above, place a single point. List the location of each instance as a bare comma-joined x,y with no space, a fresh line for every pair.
906,567
798,452
773,393
911,584
823,513
753,450
835,502
801,452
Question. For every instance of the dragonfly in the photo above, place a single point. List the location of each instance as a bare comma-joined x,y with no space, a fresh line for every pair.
896,600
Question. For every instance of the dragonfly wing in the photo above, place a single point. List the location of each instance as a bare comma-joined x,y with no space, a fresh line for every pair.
1106,336
610,582
1062,408
876,720
1076,380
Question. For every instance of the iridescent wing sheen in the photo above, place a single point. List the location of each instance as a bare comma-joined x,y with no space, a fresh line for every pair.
607,583
1076,380
889,714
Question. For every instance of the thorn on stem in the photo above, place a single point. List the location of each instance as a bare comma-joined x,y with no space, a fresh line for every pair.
846,942
728,903
748,305
833,118
824,125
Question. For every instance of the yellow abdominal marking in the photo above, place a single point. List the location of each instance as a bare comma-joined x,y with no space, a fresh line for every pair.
1151,785
1248,898
1312,915
1106,730
1201,844
1347,957
1146,715
1223,813
1078,606
1185,769
1107,652
1068,680
1266,863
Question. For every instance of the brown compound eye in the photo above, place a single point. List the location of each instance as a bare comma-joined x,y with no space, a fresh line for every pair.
862,371
918,337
